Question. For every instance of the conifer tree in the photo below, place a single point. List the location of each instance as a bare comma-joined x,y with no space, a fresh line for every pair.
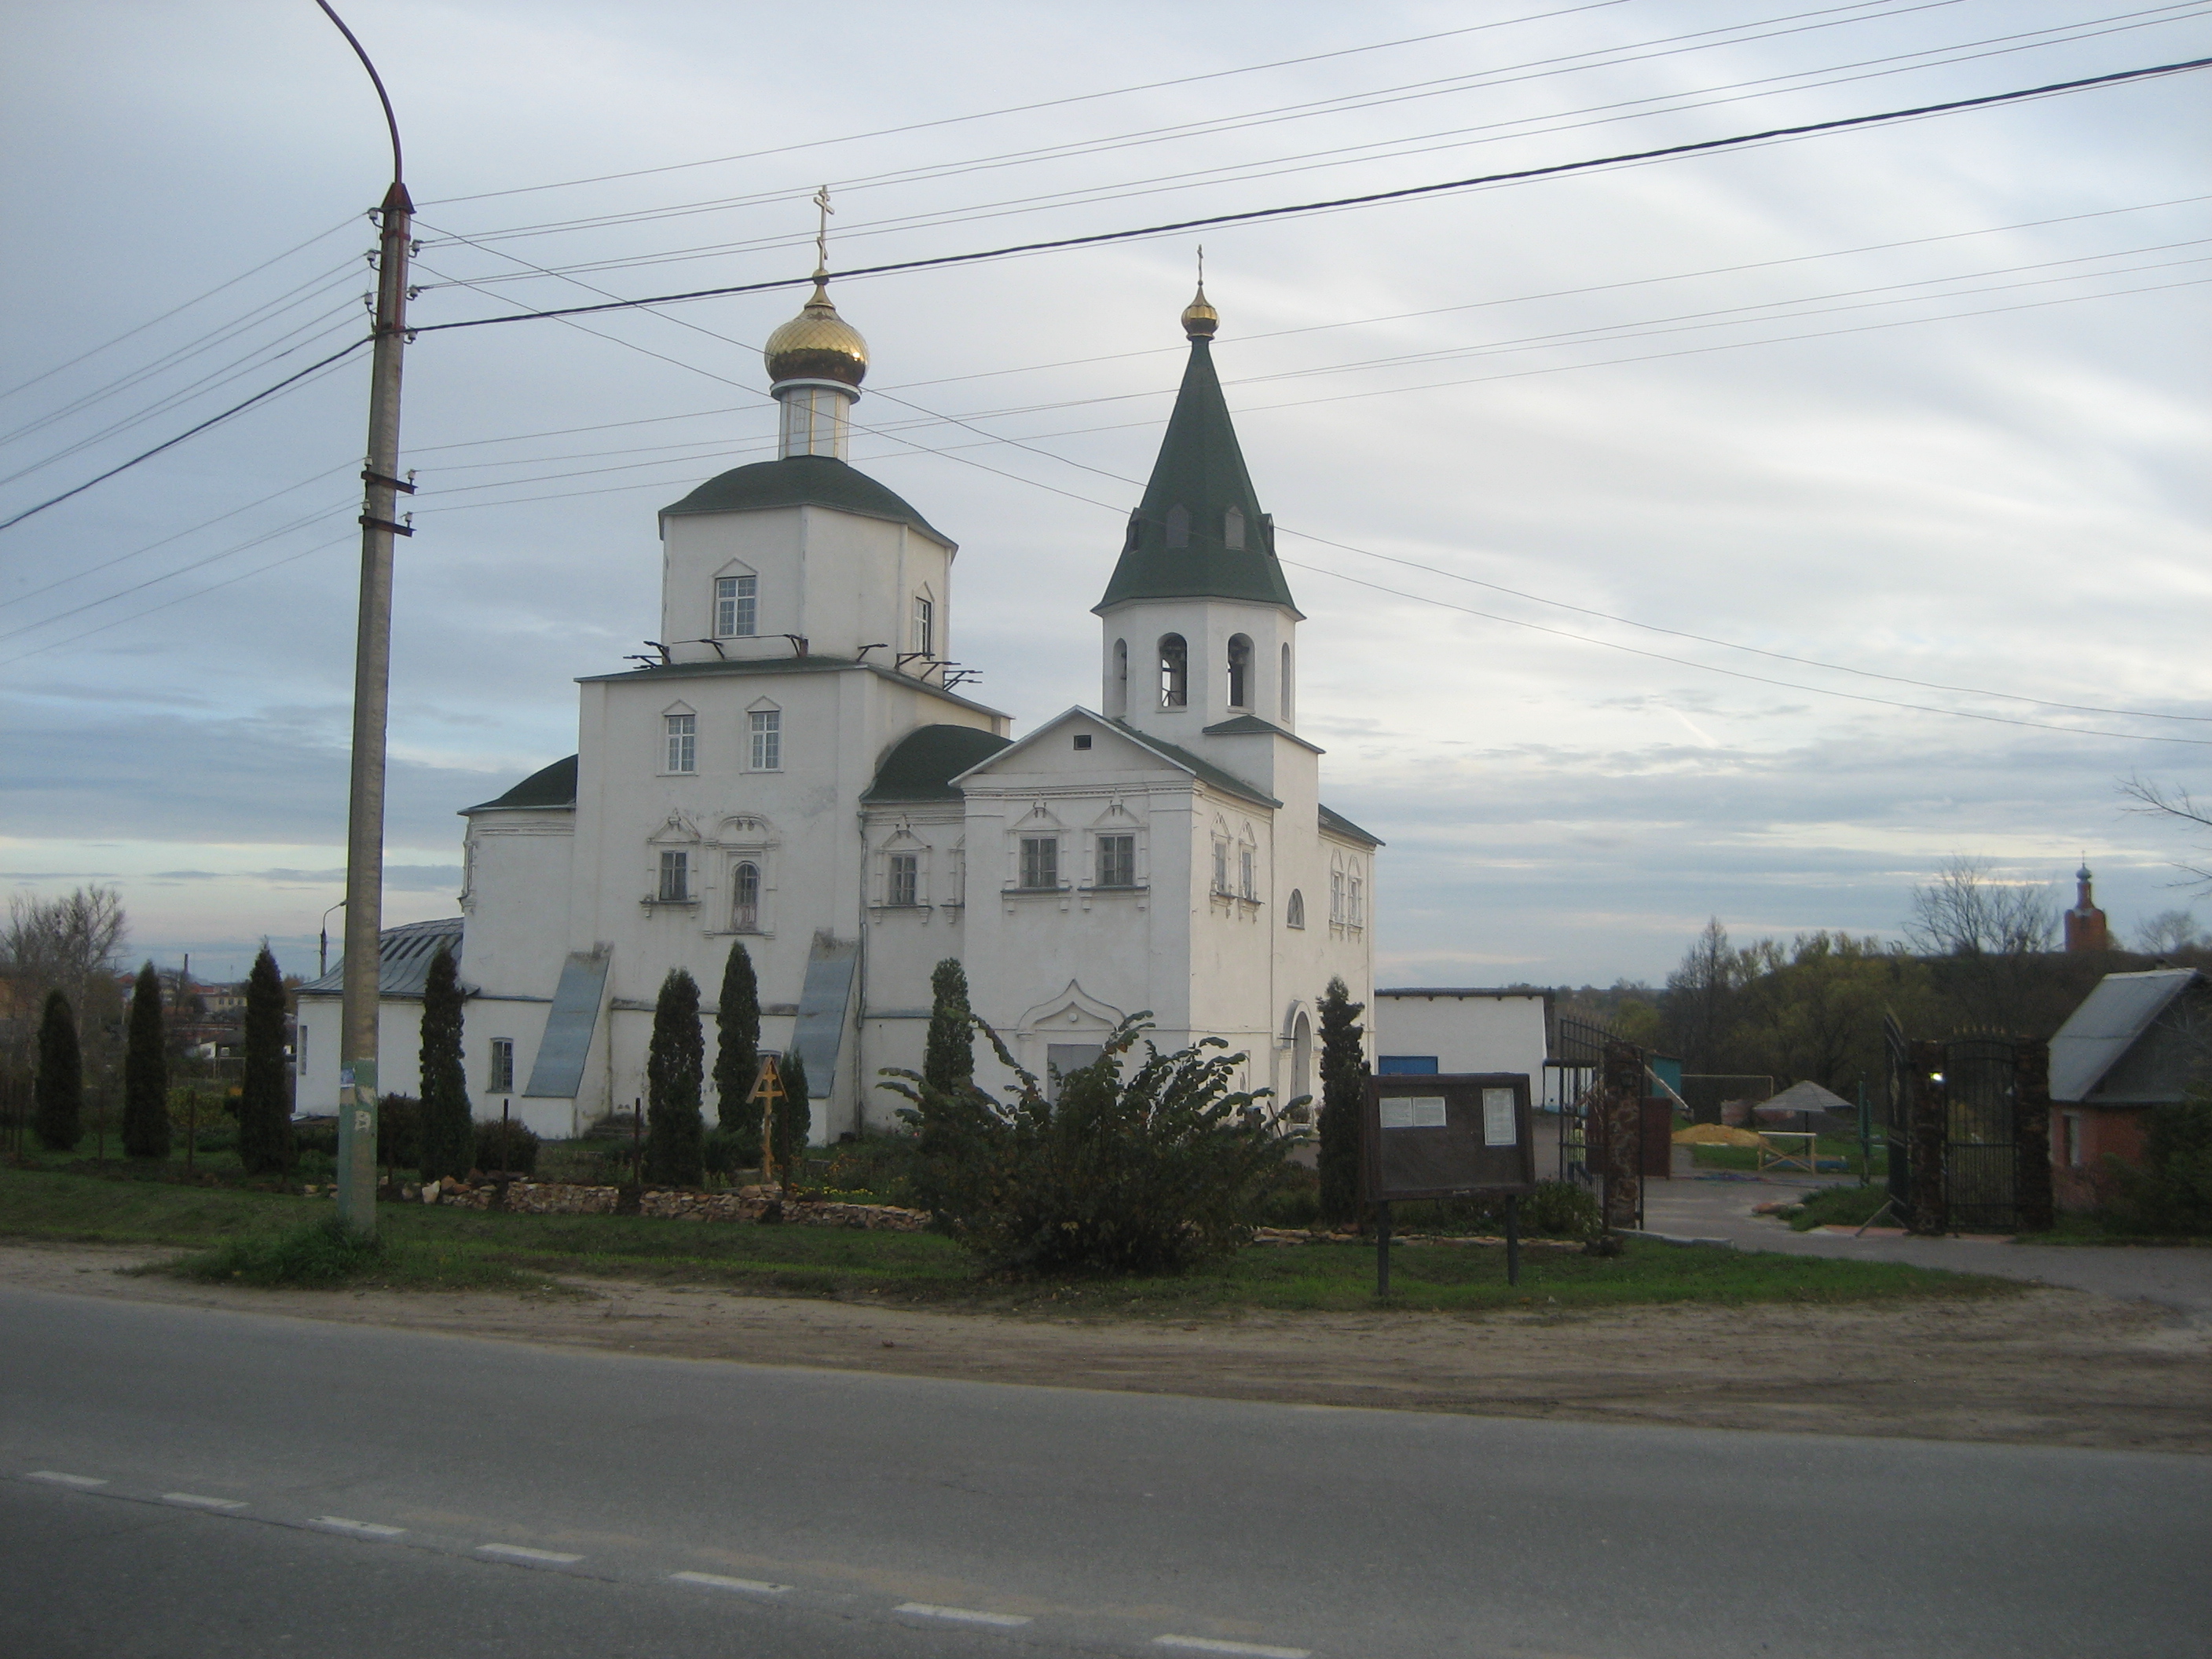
448,1135
736,1042
57,1097
794,1118
674,1067
948,1064
1343,1092
264,1109
146,1073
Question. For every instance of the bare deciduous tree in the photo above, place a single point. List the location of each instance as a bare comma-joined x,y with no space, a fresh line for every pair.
1965,912
2155,799
2167,931
62,943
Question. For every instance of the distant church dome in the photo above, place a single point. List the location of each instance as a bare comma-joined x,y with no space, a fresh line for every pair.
1199,319
817,344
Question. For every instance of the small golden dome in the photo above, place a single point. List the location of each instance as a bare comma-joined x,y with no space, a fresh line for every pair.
817,344
1199,319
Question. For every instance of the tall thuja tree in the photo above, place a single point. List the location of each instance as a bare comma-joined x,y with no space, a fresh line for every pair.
795,1117
675,1067
736,1042
948,1063
146,1073
264,1108
449,1133
948,1112
57,1097
1343,1091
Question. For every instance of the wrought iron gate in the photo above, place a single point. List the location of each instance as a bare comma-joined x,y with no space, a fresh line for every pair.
1896,1098
1981,1155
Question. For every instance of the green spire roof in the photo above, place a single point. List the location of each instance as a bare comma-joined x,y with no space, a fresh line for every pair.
1199,532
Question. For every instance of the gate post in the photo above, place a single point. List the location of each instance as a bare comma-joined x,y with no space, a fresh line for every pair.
2031,1130
1622,1104
1926,1125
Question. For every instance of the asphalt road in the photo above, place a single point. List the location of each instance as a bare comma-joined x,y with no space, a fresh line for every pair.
2180,1279
182,1482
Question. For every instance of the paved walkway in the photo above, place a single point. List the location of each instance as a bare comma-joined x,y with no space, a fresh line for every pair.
1704,1208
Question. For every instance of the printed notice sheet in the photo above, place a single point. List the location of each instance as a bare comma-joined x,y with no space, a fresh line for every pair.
1498,1125
1414,1112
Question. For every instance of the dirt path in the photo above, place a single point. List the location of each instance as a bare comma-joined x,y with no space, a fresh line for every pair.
2047,1367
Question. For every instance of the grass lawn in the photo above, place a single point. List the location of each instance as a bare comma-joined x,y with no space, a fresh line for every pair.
1836,1155
243,1235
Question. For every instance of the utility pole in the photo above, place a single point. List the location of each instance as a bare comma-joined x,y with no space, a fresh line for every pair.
372,693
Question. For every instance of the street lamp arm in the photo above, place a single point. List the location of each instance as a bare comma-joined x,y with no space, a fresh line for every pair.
390,121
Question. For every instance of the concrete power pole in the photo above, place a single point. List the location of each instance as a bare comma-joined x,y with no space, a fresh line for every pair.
372,693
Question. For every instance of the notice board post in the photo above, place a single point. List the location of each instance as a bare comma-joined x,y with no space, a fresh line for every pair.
1463,1135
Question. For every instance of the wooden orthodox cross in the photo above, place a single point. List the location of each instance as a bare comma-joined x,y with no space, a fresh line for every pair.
768,1089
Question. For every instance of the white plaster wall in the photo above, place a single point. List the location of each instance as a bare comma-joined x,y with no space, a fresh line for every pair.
1502,1033
1207,626
399,1052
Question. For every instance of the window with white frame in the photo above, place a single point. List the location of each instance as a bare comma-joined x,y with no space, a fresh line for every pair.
683,734
923,636
675,876
1221,864
1247,886
903,879
746,897
1355,903
1117,861
1294,913
1040,861
1336,897
767,731
500,1080
737,606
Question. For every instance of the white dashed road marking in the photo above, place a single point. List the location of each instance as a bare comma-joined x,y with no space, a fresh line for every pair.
1208,1644
715,1581
193,1500
363,1529
961,1615
523,1553
61,1479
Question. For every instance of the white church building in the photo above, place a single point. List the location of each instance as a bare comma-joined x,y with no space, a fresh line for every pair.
797,770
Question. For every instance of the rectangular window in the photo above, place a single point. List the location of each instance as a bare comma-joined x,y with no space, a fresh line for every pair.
683,743
924,630
2075,1157
1117,861
1336,897
502,1080
1356,906
1220,866
1040,861
904,885
768,739
1245,884
737,600
675,876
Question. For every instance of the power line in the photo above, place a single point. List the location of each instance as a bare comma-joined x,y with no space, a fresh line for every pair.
213,420
1023,109
1372,198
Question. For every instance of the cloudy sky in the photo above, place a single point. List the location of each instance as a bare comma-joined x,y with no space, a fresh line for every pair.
1735,535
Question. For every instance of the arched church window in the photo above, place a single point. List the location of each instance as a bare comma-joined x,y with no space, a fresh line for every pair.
744,905
1118,699
1175,672
1294,913
1232,527
1285,684
1178,525
1240,672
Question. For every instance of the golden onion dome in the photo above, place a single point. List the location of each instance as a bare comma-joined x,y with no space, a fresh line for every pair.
1199,319
817,344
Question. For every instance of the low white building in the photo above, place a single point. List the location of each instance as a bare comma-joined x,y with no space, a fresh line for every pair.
796,771
1423,1030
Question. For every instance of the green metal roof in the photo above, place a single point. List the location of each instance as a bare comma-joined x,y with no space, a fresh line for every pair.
1206,770
803,481
922,765
552,786
1200,475
1336,824
1251,726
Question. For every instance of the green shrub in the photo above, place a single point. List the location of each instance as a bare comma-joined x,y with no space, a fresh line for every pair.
1151,1174
398,1132
57,1111
507,1146
2172,1193
323,1252
264,1099
146,1073
675,1065
1839,1207
1556,1209
1292,1199
878,1162
447,1140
